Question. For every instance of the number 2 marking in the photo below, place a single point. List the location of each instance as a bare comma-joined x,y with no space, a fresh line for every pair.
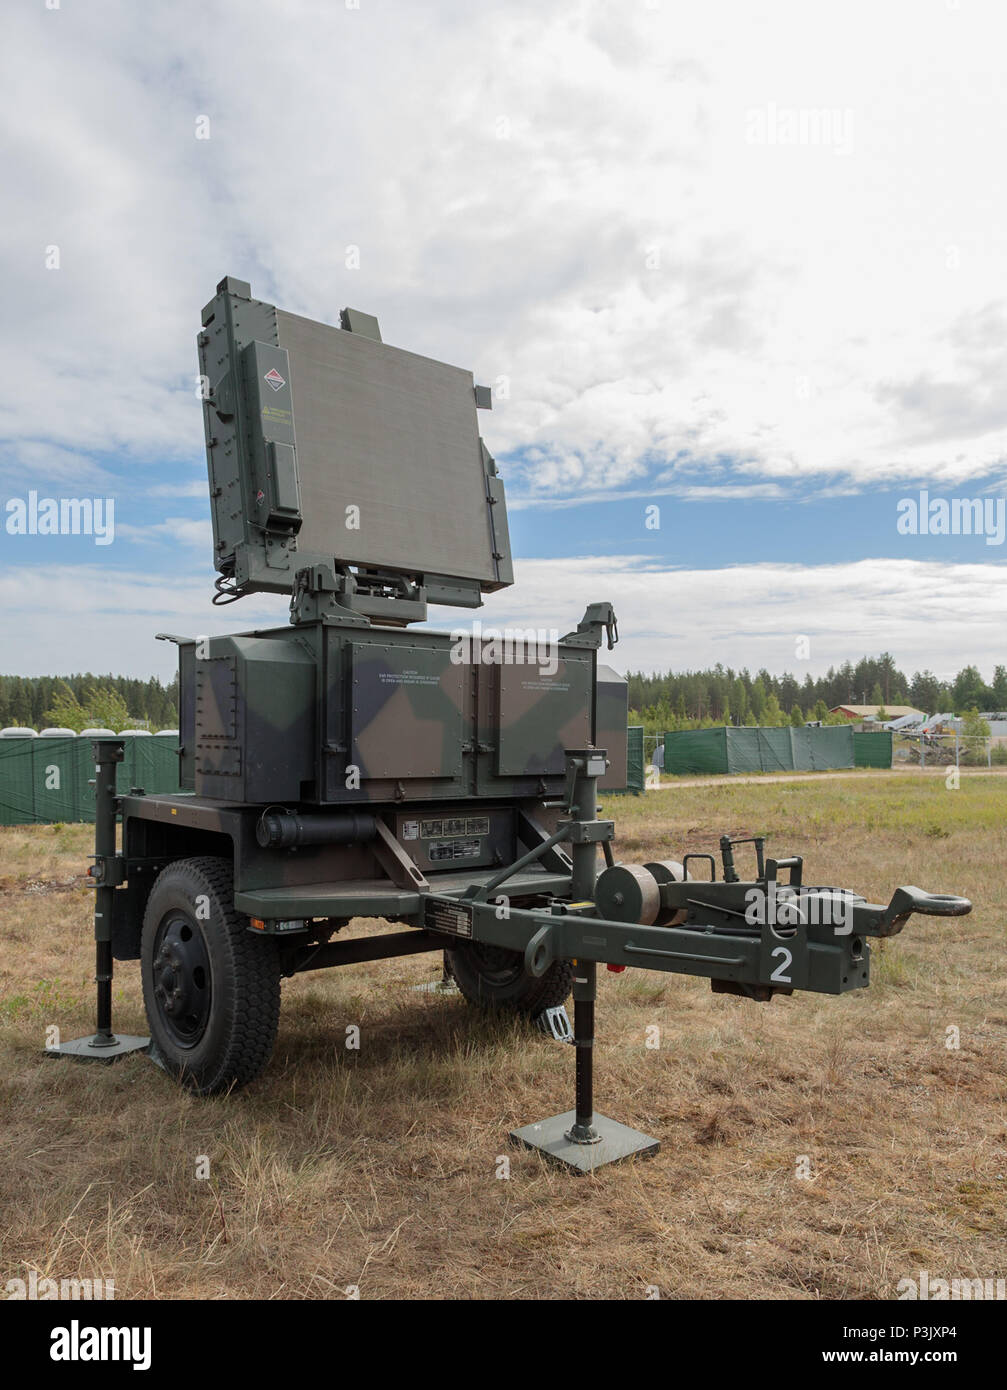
778,974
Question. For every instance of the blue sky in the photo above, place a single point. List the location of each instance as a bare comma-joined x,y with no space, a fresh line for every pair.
703,533
754,279
809,529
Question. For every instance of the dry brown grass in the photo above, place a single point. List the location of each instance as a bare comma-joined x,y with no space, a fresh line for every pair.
378,1168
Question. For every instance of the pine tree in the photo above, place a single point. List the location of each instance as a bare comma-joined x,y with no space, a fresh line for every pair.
772,715
757,701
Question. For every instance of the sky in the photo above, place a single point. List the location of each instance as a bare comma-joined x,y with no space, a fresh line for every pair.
735,273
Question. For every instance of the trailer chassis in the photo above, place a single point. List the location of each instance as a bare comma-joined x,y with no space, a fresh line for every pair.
755,938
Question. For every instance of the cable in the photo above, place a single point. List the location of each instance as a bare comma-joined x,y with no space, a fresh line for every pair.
226,590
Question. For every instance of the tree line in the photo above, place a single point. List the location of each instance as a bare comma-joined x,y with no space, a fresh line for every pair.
721,695
676,700
88,702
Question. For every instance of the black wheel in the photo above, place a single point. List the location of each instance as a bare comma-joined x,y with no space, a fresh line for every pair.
495,978
211,988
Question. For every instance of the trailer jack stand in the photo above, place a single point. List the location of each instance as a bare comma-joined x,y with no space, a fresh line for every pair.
580,1139
103,1046
445,985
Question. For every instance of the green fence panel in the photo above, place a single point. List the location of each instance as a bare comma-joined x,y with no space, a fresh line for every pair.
802,749
124,778
17,790
43,780
818,750
831,746
150,763
155,764
872,749
84,754
55,779
776,750
635,774
759,749
696,751
744,750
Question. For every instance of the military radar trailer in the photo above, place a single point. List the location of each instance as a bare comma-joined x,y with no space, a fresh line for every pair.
350,764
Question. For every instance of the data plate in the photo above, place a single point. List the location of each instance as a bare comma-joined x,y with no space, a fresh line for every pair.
453,918
453,839
441,851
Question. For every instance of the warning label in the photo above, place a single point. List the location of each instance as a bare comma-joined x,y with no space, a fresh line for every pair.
411,677
454,825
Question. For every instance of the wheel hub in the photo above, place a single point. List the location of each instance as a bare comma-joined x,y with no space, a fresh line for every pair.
181,974
497,964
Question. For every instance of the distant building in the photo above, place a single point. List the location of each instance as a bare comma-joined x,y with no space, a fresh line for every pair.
870,712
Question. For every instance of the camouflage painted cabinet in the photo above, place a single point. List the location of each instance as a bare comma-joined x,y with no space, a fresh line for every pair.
332,715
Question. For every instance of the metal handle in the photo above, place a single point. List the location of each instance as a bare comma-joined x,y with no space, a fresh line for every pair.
709,857
794,863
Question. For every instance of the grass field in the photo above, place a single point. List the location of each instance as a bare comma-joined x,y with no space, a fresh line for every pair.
378,1168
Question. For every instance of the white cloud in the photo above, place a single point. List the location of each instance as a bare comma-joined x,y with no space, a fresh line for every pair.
59,619
929,614
195,489
569,198
173,531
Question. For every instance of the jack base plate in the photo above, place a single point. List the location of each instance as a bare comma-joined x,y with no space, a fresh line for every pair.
436,987
84,1049
617,1142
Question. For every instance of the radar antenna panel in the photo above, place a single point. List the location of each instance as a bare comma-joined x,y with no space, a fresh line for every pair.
340,463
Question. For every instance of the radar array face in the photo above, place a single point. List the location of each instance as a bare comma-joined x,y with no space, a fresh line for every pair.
327,447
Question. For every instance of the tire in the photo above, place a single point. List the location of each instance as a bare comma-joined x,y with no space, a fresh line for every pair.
211,989
493,977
